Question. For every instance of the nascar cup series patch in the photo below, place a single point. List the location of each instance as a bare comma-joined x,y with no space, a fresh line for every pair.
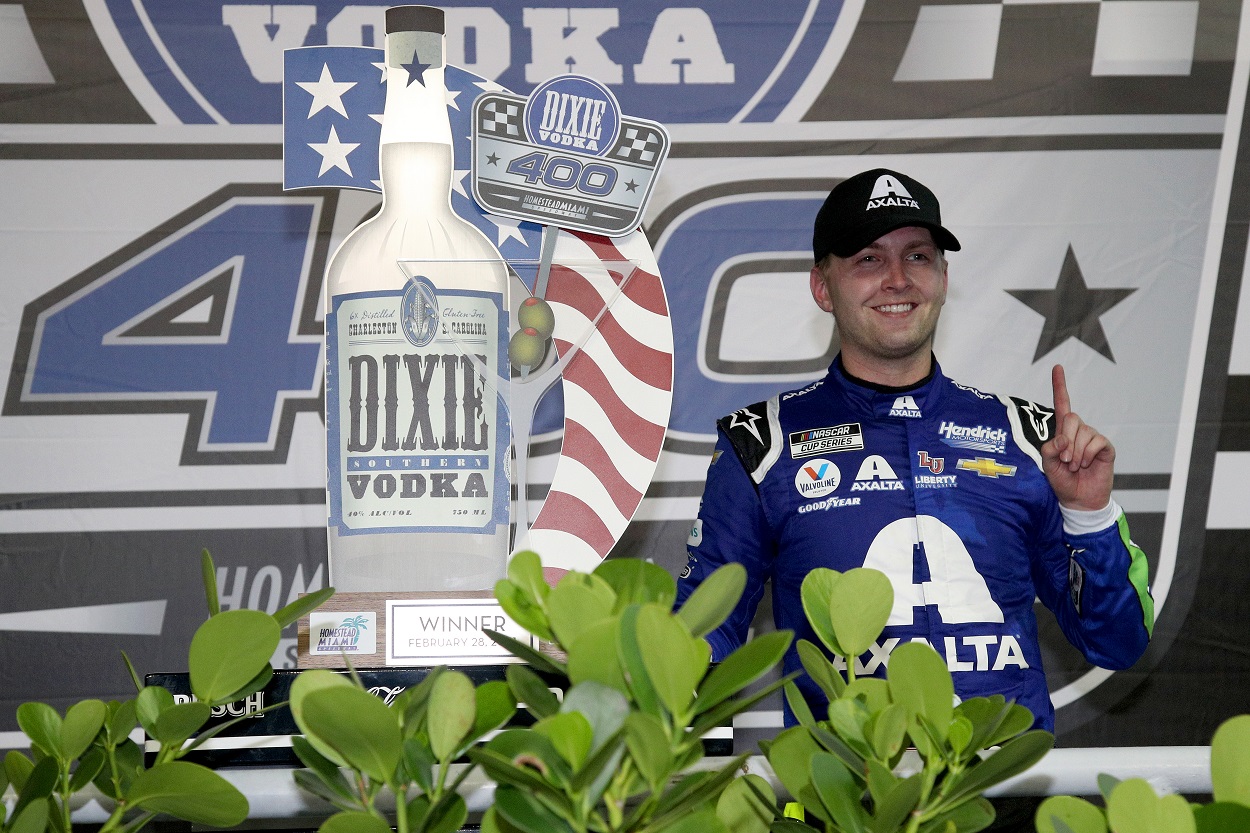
565,156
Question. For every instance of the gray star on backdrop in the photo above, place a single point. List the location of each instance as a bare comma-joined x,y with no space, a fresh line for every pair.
1071,310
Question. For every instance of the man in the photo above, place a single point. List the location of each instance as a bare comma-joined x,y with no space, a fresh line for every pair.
972,504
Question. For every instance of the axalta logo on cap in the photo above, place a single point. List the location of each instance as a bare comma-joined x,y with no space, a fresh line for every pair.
888,192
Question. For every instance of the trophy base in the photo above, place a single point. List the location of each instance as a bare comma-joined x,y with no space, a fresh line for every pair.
413,629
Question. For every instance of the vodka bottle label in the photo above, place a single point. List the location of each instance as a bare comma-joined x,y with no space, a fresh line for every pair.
416,419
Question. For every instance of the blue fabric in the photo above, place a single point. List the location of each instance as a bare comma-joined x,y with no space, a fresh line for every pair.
940,487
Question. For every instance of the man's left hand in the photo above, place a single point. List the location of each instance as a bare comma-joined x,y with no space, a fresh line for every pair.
1078,460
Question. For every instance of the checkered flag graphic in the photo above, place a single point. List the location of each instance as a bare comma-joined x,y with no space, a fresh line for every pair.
638,143
501,118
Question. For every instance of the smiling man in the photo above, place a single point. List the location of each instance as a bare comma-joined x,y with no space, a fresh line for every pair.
973,504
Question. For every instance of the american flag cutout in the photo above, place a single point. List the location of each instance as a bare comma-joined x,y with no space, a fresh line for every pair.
618,380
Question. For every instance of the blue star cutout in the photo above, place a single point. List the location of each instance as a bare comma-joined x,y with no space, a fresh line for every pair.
416,70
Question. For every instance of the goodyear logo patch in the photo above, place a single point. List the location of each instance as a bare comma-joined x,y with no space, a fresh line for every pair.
848,437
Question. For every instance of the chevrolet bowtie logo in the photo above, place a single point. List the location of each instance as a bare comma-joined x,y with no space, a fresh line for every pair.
985,467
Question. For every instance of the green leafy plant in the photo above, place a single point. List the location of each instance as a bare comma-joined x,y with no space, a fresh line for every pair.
91,745
848,768
358,749
1132,805
622,749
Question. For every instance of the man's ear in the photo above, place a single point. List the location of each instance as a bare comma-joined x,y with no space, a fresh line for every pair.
820,289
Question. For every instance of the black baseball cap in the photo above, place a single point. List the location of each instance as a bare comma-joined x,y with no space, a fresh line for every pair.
871,204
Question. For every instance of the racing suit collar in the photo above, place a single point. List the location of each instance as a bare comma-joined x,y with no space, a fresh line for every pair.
907,402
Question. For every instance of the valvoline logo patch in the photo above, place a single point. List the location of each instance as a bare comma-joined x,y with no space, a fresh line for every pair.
573,112
817,478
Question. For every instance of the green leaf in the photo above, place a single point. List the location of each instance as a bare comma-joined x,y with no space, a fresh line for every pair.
524,811
495,707
649,747
39,785
1134,806
42,725
531,692
452,712
743,667
637,581
319,766
527,775
208,573
798,705
33,818
920,681
419,763
446,816
593,655
1078,814
860,609
531,751
523,610
570,734
121,721
1230,765
150,703
976,814
306,683
311,783
722,714
821,670
1011,759
839,792
180,721
677,661
1222,817
604,708
229,651
354,821
693,790
537,659
887,730
578,601
790,756
358,727
525,570
960,734
702,821
82,723
630,651
17,769
191,792
302,606
714,599
89,766
816,593
742,809
896,804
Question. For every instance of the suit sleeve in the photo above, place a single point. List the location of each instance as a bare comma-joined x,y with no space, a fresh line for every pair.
731,527
1096,584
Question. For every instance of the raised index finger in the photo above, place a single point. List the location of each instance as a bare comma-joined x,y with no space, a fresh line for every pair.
1059,385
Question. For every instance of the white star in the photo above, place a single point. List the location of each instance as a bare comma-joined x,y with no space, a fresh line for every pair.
334,153
1040,417
326,92
488,86
746,419
457,183
452,95
381,67
509,229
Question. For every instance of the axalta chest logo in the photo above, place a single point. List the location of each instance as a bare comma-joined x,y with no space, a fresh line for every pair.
981,438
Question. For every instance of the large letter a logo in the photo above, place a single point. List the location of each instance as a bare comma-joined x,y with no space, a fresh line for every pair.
955,587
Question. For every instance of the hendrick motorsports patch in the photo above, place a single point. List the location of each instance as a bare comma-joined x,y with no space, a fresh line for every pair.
848,437
565,156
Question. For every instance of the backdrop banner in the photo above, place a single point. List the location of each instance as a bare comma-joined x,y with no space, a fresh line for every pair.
161,325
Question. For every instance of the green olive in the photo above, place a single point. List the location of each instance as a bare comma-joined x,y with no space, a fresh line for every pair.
536,313
527,348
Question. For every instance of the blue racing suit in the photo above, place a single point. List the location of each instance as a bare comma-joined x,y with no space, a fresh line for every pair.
940,487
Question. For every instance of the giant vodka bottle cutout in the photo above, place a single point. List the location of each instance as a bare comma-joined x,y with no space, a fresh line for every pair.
416,327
